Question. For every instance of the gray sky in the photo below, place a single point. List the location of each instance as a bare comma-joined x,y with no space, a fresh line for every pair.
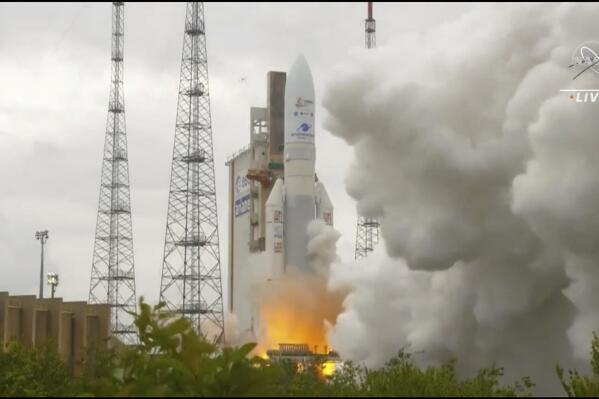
54,83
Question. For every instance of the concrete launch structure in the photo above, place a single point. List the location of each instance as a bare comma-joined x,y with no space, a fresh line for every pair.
70,328
273,190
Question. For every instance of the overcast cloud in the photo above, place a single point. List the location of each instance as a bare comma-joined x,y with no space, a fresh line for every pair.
54,82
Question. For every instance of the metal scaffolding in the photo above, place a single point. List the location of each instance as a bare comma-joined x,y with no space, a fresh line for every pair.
367,231
367,236
191,278
113,273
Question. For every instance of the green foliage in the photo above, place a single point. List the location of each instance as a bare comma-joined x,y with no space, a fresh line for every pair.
33,372
401,377
98,373
172,360
578,385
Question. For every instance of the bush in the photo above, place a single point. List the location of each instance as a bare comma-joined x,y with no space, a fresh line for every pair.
35,371
400,377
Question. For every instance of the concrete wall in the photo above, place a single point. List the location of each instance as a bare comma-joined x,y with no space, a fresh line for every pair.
70,327
240,199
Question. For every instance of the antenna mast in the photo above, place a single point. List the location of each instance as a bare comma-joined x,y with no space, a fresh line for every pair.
113,273
370,28
367,230
191,281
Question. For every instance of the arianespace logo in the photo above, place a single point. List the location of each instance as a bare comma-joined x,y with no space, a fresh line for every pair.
303,131
585,60
303,128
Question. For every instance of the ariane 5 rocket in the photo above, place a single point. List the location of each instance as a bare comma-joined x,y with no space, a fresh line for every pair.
298,198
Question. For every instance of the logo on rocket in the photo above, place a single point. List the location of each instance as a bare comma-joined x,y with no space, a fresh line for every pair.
303,128
302,102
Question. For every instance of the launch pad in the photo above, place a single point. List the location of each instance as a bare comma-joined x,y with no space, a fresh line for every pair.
301,355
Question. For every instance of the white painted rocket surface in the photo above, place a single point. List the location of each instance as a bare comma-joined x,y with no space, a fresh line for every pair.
299,198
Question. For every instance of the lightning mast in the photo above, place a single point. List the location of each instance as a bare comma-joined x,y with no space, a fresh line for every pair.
113,274
370,28
367,230
191,280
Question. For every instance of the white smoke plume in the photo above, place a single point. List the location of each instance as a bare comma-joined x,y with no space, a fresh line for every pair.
322,247
254,276
485,177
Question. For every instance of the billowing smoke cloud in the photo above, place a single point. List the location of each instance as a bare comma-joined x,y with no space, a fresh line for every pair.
485,178
255,276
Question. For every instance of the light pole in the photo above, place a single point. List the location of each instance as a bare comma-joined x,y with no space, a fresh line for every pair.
43,237
53,282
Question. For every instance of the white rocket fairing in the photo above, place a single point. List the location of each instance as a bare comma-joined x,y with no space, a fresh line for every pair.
299,199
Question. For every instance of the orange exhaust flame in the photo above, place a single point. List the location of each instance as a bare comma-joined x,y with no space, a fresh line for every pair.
297,309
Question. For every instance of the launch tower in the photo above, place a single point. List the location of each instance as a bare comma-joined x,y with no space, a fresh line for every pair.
113,274
191,278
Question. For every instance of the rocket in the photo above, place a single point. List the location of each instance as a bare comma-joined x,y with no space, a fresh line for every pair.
298,198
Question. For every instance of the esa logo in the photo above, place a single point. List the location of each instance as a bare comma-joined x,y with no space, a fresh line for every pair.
303,128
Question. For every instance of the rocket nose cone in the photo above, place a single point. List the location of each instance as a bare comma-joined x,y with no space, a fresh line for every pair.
299,78
300,61
300,67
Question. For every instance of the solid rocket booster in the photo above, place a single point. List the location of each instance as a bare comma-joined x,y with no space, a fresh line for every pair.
275,245
299,199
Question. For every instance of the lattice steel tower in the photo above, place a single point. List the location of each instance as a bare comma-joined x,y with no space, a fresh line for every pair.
367,230
113,275
191,280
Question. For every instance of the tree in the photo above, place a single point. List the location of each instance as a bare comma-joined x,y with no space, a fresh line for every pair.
578,385
172,360
35,371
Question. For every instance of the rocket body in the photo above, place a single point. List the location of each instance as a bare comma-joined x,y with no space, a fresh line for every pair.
298,199
300,157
